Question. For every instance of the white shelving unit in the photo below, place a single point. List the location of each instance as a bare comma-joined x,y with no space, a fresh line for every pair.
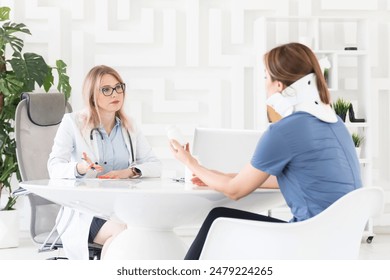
349,76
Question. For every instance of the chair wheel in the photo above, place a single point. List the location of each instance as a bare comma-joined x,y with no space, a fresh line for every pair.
369,239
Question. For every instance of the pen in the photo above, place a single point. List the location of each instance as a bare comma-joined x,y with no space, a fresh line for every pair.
181,180
90,165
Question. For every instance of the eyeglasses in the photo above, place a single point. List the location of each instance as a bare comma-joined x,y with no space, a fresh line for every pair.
108,91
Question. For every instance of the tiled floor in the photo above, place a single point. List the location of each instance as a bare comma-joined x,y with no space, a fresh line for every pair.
379,249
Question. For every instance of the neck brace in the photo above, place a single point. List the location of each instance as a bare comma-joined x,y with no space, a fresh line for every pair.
302,96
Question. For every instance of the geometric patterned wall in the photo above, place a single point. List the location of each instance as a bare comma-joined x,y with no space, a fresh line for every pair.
190,62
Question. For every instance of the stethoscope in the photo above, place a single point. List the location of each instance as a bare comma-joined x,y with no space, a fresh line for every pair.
102,137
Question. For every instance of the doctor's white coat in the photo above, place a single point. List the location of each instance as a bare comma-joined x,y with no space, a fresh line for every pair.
72,139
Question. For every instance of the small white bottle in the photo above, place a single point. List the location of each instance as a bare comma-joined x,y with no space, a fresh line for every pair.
174,133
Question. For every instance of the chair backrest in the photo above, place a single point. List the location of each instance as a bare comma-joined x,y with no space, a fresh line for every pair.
226,150
37,118
335,233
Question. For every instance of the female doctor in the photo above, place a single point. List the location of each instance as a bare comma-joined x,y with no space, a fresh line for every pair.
309,150
98,141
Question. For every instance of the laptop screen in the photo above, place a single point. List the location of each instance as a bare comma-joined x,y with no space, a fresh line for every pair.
225,150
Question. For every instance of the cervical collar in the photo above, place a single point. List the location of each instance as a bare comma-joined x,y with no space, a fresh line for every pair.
302,96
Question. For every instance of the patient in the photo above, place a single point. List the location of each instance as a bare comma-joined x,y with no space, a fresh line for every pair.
309,150
98,141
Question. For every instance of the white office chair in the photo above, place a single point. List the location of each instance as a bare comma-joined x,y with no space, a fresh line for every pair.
37,118
335,233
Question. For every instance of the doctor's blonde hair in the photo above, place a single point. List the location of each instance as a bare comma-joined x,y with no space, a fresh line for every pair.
91,90
290,62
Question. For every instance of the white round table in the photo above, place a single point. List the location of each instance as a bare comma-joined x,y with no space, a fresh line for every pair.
151,208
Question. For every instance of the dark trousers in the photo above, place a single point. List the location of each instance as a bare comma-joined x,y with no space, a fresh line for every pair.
197,245
96,225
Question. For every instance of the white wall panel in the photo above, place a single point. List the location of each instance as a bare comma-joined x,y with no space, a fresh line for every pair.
192,33
349,5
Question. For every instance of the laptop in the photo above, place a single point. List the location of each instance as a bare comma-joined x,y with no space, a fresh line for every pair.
225,150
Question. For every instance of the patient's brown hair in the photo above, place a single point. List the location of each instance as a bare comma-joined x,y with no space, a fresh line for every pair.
290,62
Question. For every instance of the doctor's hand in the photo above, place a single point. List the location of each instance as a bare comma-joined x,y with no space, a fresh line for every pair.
118,174
87,164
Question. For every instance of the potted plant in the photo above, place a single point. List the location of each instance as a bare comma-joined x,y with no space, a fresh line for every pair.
357,141
20,72
341,108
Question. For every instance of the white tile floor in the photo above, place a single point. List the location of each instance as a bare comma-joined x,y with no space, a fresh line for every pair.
379,249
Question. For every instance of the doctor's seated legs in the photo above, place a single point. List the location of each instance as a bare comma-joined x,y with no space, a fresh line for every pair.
103,232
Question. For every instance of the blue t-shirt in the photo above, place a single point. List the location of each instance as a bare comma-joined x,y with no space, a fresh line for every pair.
315,162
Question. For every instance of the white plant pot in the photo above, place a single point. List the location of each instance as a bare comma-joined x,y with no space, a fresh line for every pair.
358,151
9,229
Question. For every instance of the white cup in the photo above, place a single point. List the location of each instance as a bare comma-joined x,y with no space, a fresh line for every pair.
174,133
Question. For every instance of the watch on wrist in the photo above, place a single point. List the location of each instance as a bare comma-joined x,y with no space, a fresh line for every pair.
137,172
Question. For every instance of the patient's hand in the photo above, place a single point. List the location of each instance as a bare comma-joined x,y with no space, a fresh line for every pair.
197,181
181,153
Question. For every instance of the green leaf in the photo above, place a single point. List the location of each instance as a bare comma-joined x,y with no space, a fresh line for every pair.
11,27
4,13
341,106
7,37
16,43
11,203
10,84
357,139
63,79
30,69
36,67
49,81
